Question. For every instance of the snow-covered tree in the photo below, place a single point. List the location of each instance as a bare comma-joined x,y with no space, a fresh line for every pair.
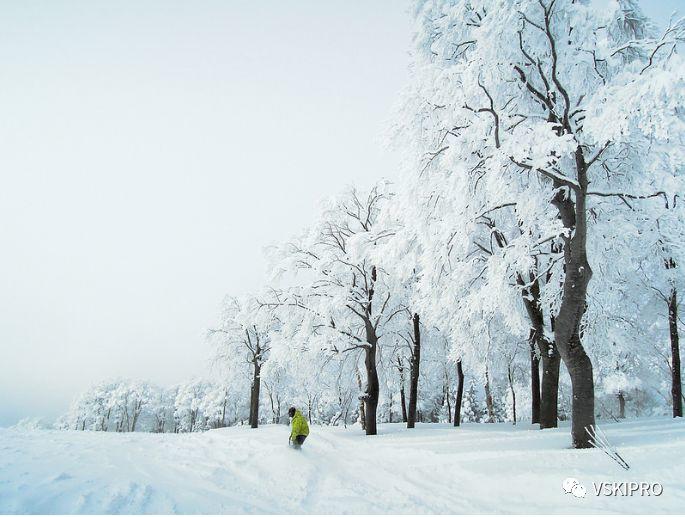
472,411
521,117
342,302
244,338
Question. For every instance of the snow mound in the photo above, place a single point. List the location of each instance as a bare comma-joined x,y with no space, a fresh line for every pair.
479,468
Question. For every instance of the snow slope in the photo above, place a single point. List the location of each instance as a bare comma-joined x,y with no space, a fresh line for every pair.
433,469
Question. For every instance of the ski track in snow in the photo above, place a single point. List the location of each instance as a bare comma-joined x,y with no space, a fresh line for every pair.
480,468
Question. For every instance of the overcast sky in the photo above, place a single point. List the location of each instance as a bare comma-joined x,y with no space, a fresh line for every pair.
148,153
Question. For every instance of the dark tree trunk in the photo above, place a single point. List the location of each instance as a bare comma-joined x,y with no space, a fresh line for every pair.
621,405
576,360
414,373
567,331
404,405
254,391
372,388
460,393
544,400
534,380
403,401
550,386
370,396
676,386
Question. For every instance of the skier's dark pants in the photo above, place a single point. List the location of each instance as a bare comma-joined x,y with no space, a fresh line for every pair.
299,440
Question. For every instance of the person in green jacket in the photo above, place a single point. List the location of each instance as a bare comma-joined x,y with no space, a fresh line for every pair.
300,429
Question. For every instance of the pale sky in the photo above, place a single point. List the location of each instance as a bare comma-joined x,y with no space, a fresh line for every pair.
148,153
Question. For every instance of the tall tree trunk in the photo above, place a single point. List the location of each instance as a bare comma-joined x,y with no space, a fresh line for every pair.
372,388
414,373
567,330
371,393
460,394
676,386
254,391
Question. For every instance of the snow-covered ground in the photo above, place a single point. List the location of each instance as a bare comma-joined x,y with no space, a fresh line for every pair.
479,468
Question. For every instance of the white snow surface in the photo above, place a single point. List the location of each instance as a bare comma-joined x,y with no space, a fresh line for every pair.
478,468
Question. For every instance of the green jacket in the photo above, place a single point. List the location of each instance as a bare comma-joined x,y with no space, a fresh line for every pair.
300,425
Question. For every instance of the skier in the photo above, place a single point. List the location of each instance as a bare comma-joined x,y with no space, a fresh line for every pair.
300,428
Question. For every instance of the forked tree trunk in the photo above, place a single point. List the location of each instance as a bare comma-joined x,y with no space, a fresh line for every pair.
676,386
414,373
573,303
547,392
460,394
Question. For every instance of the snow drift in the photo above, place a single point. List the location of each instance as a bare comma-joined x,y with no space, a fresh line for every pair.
479,468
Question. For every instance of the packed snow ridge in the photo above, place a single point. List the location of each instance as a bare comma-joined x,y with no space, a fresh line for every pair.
479,468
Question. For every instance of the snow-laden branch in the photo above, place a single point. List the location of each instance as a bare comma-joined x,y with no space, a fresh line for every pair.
560,178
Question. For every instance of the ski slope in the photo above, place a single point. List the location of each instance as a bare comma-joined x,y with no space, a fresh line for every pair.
479,468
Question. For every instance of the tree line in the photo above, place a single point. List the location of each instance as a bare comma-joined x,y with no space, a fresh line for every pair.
528,256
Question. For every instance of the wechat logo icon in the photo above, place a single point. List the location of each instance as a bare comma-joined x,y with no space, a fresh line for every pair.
572,486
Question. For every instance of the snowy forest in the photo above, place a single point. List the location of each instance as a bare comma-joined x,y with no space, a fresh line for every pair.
525,265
